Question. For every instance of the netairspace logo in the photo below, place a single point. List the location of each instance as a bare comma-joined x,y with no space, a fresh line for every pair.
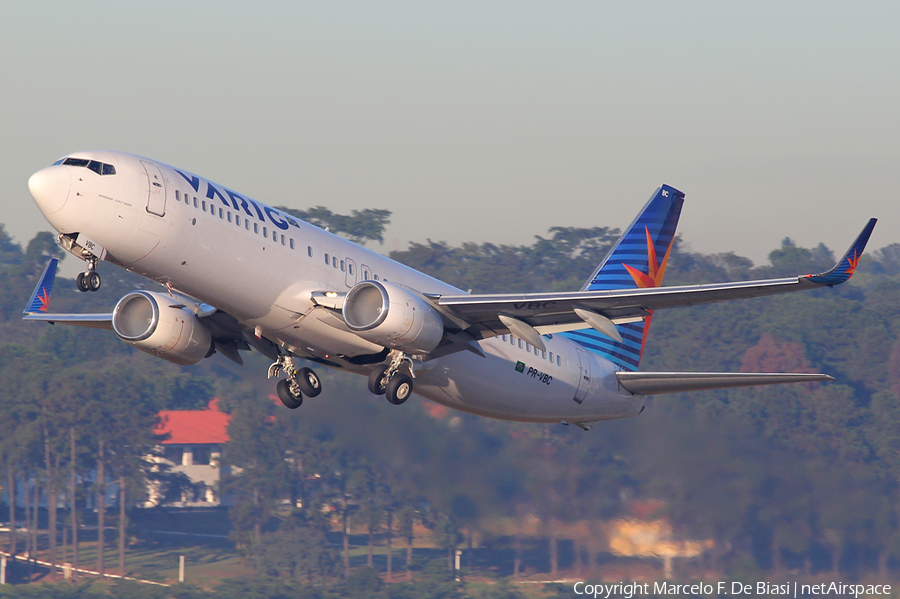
627,590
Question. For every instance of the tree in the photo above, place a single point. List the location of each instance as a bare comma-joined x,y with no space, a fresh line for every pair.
258,467
298,549
360,226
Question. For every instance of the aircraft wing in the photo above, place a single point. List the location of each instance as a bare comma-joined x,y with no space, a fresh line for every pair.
94,321
38,307
529,315
229,335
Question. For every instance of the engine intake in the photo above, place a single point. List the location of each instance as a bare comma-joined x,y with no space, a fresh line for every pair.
157,324
393,317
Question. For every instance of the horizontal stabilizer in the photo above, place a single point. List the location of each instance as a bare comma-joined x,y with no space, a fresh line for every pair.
654,383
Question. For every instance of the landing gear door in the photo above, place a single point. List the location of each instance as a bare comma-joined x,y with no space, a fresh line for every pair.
584,378
156,196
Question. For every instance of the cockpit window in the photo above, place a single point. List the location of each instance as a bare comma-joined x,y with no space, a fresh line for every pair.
98,167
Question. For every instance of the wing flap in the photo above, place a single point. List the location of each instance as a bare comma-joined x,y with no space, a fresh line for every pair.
655,383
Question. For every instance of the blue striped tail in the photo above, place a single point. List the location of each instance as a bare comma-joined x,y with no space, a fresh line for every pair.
40,297
637,260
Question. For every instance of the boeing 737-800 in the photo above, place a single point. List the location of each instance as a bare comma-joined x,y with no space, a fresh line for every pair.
239,274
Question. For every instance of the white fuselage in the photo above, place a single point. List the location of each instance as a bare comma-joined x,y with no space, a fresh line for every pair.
260,265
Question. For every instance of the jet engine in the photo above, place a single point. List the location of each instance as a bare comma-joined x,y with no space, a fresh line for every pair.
393,317
157,324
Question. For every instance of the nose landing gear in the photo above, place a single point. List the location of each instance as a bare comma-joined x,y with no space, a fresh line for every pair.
296,383
90,279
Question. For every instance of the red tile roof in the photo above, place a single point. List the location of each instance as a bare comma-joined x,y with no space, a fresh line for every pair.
194,427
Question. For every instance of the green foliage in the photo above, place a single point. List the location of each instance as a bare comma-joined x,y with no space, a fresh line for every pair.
800,476
359,226
562,262
298,549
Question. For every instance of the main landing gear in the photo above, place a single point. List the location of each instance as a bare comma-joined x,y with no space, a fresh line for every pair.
296,383
395,380
90,279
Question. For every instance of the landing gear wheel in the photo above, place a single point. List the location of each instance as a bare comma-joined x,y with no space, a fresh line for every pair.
287,396
374,383
399,389
93,280
82,282
308,381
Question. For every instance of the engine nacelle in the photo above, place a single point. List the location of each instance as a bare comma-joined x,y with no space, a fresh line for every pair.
393,317
157,324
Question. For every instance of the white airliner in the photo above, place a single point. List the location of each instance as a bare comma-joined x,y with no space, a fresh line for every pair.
240,274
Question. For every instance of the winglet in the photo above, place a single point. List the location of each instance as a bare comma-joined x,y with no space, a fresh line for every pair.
843,270
40,297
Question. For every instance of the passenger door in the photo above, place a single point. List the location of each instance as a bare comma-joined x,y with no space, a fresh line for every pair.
156,196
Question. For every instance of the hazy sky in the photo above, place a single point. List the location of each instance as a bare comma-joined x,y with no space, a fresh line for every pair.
478,121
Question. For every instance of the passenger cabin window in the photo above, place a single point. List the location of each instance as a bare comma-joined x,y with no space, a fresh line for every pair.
342,266
195,203
265,231
204,205
229,217
255,227
177,195
221,213
292,243
558,362
309,250
327,259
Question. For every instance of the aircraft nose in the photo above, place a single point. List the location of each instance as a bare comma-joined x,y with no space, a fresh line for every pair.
50,188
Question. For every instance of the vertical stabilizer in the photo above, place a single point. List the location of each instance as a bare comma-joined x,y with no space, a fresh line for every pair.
637,260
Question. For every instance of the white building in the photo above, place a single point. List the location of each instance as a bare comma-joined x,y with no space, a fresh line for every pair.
193,445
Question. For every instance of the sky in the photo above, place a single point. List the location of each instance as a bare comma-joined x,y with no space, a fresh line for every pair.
478,121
